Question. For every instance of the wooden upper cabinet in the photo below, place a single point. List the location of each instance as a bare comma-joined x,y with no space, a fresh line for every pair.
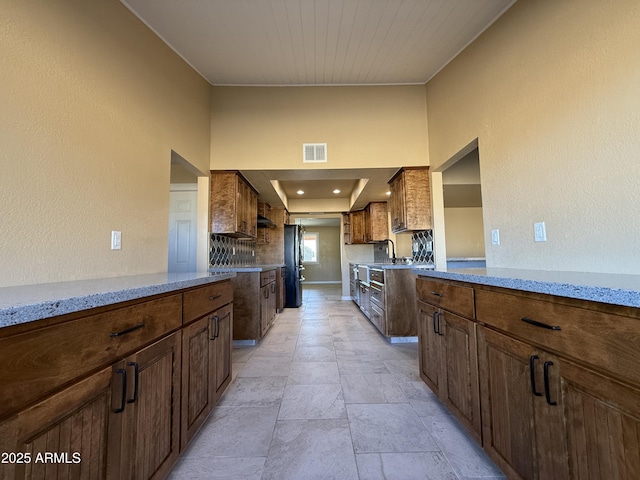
357,227
368,225
234,205
346,228
410,202
376,225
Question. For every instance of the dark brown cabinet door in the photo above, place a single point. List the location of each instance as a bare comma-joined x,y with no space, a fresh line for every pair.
198,366
429,346
357,227
72,423
603,425
151,420
460,389
222,350
398,221
265,293
523,408
206,368
508,404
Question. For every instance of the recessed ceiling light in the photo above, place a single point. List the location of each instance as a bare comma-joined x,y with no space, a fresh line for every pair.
388,193
300,192
336,191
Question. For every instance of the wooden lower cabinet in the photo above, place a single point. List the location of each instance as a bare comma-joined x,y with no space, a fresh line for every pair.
523,421
128,416
254,304
149,443
602,423
122,422
448,362
206,363
73,422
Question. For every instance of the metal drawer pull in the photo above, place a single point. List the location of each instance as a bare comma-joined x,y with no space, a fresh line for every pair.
437,294
532,374
546,383
215,297
123,372
535,323
135,382
127,330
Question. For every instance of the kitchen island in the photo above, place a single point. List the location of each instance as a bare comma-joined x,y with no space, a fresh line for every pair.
115,376
539,366
385,294
258,294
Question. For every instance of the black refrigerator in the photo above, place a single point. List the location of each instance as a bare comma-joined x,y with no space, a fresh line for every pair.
293,265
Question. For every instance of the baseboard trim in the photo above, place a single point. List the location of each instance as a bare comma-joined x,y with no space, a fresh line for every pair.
328,282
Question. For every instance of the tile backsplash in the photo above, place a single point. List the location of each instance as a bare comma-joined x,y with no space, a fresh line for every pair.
421,249
231,252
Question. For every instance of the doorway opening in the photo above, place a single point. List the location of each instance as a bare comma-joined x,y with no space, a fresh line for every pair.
188,218
322,241
462,209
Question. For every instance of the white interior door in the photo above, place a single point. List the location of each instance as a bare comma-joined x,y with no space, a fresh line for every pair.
183,230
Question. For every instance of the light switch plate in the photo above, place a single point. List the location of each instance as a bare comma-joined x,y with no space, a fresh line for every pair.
495,237
116,240
539,232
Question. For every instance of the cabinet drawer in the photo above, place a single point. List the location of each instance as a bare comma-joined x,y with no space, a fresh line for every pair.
40,361
455,298
606,341
376,293
376,275
272,275
264,278
204,300
378,319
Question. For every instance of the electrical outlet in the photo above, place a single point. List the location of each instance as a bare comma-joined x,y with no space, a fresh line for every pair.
116,240
539,232
495,237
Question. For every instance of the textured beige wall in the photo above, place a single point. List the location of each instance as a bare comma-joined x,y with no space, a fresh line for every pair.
255,127
551,91
463,229
92,104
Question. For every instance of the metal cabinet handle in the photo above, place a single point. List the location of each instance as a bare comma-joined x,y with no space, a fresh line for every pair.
546,383
535,323
135,382
435,329
215,297
437,294
439,329
213,319
532,374
123,372
127,330
273,287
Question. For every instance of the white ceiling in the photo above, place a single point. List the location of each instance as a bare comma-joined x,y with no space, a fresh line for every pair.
318,42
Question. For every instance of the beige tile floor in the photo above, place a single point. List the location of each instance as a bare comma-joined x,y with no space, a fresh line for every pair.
324,396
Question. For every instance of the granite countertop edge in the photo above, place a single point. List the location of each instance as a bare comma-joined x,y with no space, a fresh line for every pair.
556,285
246,268
42,301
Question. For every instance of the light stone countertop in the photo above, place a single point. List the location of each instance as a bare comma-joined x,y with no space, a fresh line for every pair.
615,289
28,303
247,268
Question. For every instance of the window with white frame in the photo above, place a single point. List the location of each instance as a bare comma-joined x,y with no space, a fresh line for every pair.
310,247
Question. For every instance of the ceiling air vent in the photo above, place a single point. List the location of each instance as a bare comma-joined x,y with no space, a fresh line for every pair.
314,152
